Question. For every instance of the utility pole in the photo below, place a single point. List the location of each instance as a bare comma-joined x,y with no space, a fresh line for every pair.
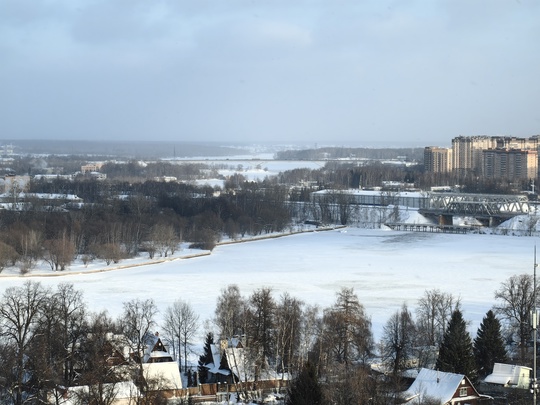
534,385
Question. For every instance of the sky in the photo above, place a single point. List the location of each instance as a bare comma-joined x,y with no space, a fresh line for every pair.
341,72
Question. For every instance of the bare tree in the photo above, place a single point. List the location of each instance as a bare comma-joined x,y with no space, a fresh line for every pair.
347,329
109,252
260,327
164,239
229,312
398,341
72,324
29,247
433,313
20,312
288,321
353,386
181,323
59,253
140,206
98,376
54,350
8,255
344,202
516,303
311,328
136,323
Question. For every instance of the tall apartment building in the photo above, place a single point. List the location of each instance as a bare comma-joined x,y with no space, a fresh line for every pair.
496,156
511,164
511,142
437,160
491,156
467,152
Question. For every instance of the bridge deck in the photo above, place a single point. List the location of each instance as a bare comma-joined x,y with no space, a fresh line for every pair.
399,226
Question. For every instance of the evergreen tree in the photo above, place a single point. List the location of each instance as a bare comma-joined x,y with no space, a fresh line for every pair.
489,345
456,350
305,389
205,358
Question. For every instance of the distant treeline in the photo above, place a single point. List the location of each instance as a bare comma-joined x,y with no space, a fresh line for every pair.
408,154
131,149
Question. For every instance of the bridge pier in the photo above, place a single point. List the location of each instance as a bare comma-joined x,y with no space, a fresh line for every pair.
486,222
445,219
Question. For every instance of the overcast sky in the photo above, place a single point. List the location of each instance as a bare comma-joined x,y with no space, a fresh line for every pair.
327,71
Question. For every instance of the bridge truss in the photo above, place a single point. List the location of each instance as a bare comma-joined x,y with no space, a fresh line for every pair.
477,205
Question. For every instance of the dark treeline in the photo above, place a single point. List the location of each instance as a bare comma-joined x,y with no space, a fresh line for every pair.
409,154
120,219
132,149
51,340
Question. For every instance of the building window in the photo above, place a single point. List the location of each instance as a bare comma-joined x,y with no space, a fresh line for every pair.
463,392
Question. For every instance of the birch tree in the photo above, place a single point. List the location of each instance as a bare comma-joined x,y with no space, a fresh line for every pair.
181,323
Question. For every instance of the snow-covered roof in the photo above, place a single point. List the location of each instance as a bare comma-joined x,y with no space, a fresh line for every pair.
216,361
122,390
507,374
155,348
42,196
165,375
243,368
434,384
237,362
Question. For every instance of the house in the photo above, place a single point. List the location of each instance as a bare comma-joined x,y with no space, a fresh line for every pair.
232,363
160,370
92,167
240,363
443,388
217,371
509,375
156,351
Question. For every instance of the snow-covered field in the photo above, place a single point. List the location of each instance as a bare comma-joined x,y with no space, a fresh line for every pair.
385,268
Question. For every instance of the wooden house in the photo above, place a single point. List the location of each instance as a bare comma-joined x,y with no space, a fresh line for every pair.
160,370
444,389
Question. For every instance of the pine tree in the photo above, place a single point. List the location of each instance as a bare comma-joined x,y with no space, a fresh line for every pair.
456,350
205,358
305,389
489,345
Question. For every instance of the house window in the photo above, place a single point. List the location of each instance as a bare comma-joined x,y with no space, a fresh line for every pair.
463,392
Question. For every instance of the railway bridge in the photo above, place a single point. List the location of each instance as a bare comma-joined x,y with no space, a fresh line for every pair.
489,209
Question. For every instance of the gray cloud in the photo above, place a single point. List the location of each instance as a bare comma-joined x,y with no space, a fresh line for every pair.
323,71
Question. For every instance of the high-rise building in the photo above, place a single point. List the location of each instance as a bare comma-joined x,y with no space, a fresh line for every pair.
437,160
496,156
511,164
467,152
491,156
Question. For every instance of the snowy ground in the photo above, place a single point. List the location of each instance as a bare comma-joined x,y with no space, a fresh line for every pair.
385,268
